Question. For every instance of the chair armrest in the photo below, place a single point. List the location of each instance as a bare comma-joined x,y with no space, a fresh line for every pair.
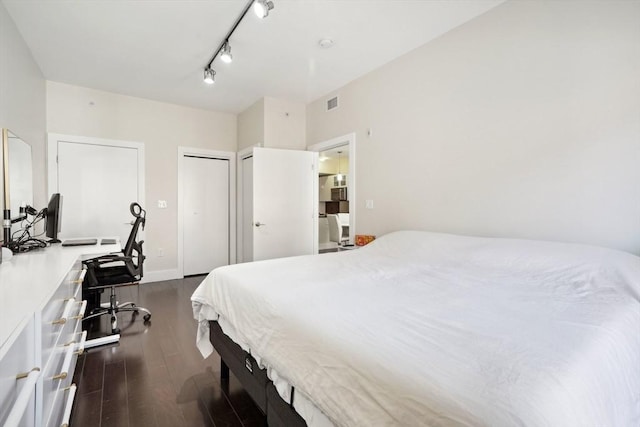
105,259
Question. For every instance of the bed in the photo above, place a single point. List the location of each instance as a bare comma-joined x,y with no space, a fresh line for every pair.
422,328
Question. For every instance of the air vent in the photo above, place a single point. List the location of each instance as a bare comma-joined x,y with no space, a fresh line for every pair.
332,103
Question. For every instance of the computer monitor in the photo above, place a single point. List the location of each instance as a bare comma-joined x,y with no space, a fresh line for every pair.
54,213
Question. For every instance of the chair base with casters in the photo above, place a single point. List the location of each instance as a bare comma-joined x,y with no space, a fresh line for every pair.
113,307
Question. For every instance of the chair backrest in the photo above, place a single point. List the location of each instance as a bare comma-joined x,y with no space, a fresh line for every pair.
139,214
132,244
335,229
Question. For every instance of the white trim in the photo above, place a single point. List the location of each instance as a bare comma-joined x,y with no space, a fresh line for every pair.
315,211
52,160
213,154
242,154
160,275
348,140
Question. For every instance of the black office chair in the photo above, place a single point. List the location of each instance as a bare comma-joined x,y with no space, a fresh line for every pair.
116,270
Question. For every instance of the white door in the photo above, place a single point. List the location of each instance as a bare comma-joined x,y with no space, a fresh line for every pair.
205,214
98,182
284,203
247,209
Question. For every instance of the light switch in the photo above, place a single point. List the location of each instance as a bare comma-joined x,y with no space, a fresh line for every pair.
162,204
369,204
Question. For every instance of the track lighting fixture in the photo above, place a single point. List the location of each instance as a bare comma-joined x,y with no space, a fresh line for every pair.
261,8
226,56
209,75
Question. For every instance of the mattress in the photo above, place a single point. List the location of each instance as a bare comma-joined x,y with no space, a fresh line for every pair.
422,328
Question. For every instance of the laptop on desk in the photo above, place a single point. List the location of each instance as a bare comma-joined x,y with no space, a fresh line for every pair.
79,242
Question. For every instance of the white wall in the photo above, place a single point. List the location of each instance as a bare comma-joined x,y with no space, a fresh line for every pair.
22,100
251,125
284,124
274,123
162,128
524,122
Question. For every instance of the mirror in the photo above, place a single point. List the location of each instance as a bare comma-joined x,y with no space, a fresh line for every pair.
18,176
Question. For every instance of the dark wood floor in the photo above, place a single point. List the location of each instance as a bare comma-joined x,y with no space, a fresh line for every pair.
156,376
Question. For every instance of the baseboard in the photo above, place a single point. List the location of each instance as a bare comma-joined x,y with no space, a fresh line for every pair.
159,276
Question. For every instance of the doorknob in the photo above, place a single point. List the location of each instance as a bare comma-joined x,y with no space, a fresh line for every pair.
258,224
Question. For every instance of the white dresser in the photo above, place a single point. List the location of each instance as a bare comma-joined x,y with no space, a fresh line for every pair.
41,334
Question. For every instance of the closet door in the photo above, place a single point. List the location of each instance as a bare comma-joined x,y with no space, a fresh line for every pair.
206,214
97,181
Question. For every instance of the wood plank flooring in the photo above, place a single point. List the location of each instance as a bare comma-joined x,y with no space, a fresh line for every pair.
155,376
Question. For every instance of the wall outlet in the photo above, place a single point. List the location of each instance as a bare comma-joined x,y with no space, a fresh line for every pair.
162,204
369,204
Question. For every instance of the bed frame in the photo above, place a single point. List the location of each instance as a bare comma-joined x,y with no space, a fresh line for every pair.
278,413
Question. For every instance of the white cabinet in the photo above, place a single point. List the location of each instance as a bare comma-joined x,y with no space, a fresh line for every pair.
61,333
45,336
16,383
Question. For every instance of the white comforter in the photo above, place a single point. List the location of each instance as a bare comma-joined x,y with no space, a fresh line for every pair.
425,329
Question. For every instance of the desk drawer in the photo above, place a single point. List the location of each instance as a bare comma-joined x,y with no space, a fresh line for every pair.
57,388
19,359
55,314
60,367
61,410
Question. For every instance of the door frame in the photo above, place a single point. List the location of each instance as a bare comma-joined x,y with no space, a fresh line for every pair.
242,155
349,141
211,154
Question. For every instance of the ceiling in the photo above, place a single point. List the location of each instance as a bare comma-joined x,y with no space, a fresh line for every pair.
157,49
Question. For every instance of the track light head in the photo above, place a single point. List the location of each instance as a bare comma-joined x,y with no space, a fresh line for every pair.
226,56
262,8
209,75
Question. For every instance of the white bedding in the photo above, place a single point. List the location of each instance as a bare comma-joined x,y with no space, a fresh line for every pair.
430,329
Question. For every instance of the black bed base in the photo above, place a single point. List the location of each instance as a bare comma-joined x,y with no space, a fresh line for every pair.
254,380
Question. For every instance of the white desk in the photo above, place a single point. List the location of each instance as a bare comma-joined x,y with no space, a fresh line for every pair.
28,281
33,287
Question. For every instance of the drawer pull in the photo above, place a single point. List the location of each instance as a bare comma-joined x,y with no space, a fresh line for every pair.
65,365
67,408
83,308
65,313
24,375
80,279
60,376
20,405
83,340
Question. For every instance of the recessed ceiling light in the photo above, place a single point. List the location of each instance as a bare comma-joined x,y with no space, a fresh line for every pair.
325,43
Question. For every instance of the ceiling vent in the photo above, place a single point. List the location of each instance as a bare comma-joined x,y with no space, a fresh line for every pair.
332,103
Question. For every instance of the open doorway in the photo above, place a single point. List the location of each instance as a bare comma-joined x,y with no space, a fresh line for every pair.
336,192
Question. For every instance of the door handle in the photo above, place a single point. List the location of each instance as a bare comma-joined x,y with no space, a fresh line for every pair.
258,224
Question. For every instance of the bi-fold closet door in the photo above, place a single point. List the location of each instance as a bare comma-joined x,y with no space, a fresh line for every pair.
206,210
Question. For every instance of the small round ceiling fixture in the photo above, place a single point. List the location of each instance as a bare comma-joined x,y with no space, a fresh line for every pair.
325,43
